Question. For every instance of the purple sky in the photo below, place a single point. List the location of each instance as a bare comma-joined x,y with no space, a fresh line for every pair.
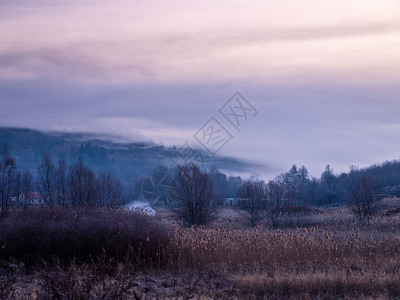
324,76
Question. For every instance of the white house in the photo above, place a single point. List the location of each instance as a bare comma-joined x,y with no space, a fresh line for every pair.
31,198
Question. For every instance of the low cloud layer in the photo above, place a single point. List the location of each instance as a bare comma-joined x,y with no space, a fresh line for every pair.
303,125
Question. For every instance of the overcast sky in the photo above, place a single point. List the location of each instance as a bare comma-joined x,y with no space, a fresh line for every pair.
323,76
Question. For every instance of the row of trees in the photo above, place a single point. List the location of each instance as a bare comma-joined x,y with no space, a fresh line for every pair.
262,200
195,201
258,200
74,185
195,193
330,189
299,188
77,185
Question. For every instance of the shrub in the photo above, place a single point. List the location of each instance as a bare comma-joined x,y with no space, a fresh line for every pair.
81,235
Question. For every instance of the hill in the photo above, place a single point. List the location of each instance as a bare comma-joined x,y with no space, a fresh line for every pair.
128,161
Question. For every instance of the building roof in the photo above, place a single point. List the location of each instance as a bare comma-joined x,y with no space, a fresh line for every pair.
33,195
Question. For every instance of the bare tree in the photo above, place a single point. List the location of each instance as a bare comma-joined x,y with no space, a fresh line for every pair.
17,187
193,195
61,183
362,197
82,185
7,172
252,201
276,193
110,190
46,179
155,188
26,186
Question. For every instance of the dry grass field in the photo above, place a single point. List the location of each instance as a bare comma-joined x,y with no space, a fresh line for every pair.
323,254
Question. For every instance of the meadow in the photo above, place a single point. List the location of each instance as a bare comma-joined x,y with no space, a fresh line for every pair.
105,254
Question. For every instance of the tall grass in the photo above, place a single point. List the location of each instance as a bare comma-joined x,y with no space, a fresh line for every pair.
299,262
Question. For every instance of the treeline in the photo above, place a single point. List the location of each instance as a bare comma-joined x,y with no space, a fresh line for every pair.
78,185
74,185
194,194
298,188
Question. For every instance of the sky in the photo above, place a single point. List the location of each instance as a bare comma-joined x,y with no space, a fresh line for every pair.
322,78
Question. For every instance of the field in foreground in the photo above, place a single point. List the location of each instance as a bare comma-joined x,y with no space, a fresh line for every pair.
97,254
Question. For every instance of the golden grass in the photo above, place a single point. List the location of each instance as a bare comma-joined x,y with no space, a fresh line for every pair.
304,262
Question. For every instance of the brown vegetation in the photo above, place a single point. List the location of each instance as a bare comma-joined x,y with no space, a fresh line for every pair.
80,235
303,262
335,258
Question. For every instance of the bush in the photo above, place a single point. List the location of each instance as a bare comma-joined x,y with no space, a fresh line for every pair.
81,235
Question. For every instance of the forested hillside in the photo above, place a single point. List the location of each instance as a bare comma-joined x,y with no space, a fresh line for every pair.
128,161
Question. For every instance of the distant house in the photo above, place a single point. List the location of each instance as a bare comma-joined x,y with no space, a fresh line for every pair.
31,198
241,201
229,202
